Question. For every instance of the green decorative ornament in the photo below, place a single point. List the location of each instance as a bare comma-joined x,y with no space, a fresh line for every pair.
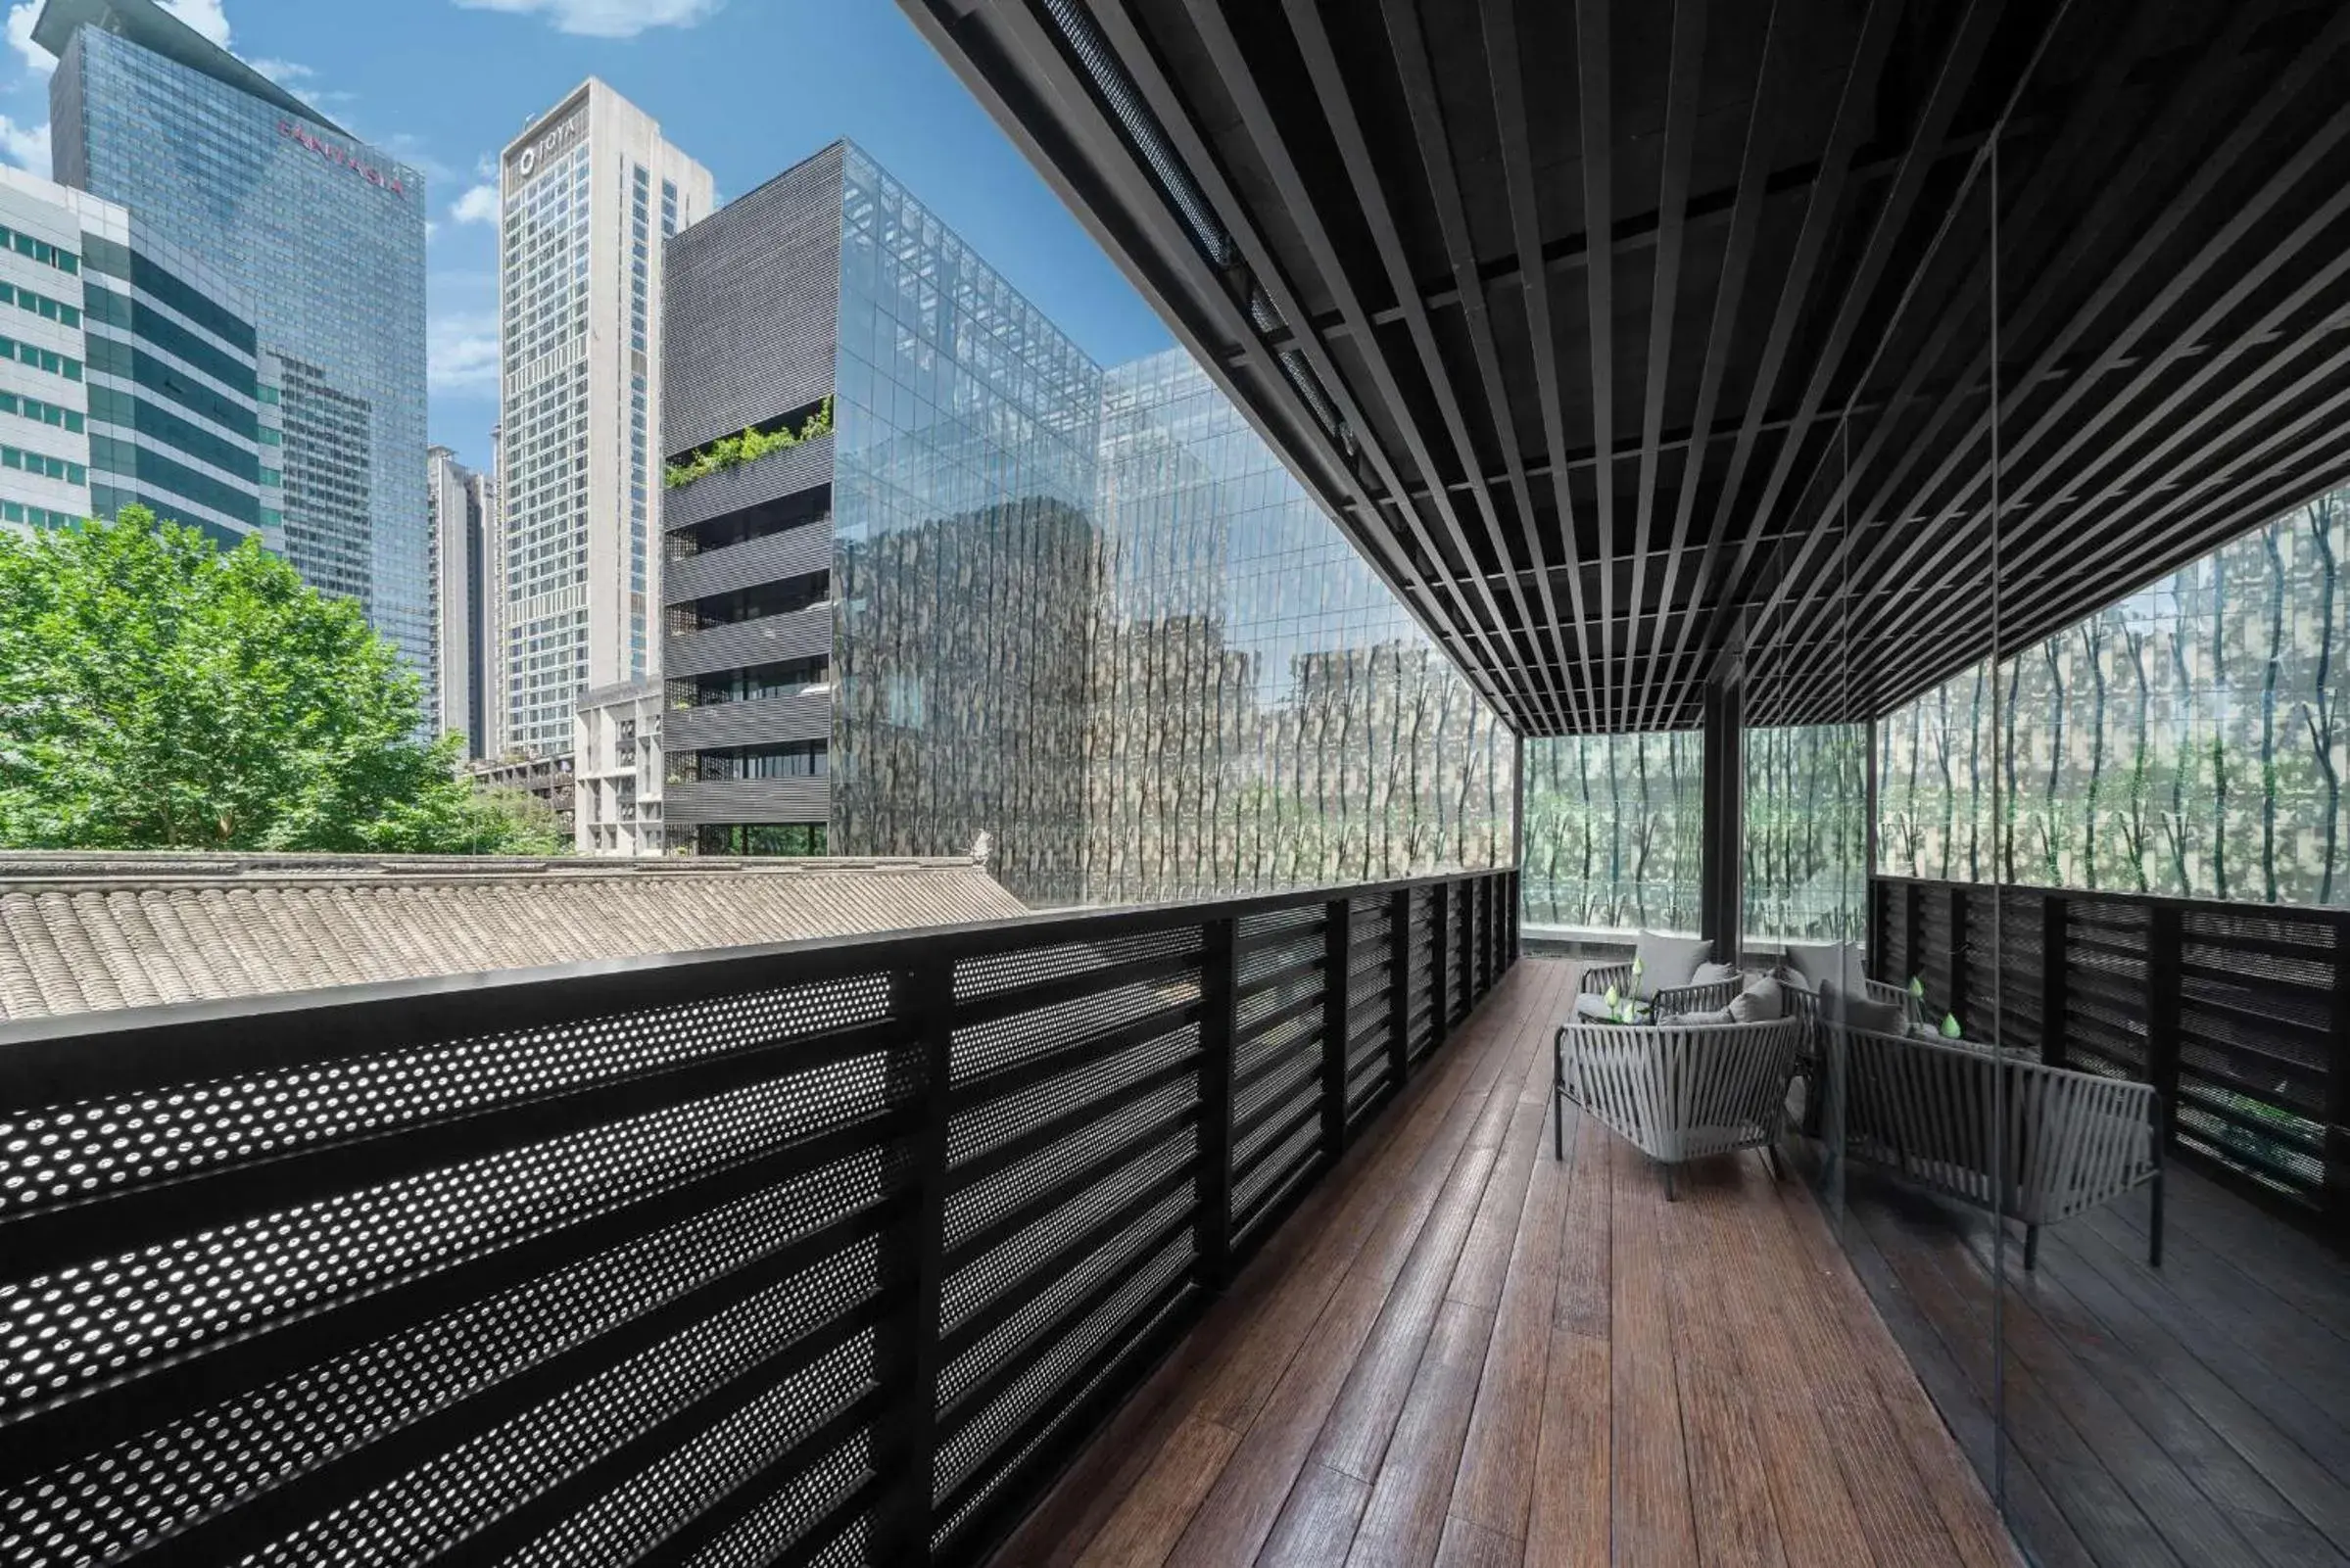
1950,1029
1639,967
1917,988
1614,999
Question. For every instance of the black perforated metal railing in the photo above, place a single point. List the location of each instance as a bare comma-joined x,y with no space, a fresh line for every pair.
2239,1013
827,1253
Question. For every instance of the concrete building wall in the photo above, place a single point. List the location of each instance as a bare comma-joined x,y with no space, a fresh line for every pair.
618,771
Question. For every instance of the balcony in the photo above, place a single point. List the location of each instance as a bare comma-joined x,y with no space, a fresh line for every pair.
790,552
801,716
772,477
767,639
749,800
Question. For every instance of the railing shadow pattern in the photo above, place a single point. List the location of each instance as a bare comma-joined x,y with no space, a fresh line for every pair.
2239,1015
825,1253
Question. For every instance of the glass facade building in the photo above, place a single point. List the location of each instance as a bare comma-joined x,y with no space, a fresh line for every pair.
326,237
129,373
1081,615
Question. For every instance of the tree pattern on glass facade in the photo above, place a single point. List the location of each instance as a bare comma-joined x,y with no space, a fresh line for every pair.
2186,741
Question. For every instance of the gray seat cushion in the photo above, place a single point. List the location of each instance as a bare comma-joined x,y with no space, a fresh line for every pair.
1667,961
1593,1008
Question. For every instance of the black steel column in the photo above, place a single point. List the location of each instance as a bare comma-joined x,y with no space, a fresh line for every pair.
1721,914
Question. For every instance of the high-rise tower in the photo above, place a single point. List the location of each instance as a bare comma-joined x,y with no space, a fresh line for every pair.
588,194
326,237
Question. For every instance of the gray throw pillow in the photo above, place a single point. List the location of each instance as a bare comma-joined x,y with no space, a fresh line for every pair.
1711,1014
1710,974
1857,1011
1667,961
1759,1003
1818,965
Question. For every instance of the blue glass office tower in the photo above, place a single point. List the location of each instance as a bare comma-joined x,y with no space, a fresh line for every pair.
326,236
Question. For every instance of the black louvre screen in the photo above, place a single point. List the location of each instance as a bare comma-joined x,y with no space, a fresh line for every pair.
829,1253
2237,1014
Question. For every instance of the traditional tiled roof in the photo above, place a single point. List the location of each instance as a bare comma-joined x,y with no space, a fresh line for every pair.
81,931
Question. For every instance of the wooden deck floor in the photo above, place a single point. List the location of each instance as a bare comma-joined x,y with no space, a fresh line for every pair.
2197,1414
1462,1351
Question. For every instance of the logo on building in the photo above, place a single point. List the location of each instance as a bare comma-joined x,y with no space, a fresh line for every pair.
552,144
342,155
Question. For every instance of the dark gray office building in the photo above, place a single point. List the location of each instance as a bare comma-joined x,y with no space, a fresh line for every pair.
943,612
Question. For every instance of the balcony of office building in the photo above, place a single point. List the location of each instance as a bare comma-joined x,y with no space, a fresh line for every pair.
1881,461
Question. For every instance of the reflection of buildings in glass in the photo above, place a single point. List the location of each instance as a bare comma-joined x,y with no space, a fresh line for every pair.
323,232
1271,715
1086,613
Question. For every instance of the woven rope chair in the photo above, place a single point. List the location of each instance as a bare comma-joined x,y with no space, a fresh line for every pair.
1708,998
1677,1092
2074,1140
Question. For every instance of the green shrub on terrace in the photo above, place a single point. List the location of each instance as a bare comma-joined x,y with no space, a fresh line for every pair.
746,446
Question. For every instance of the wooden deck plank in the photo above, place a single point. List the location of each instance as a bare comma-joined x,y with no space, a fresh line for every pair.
1404,1523
1494,1489
1153,1512
1227,1365
1462,1351
1653,1510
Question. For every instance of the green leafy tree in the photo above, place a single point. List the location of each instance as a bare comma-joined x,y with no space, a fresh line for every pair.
157,693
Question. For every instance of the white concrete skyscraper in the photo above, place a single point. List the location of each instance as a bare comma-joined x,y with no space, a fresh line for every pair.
589,192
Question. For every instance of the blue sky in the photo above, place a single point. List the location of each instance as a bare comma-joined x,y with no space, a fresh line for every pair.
746,86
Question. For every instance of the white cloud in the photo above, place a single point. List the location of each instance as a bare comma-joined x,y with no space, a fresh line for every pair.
432,231
479,205
284,72
605,19
25,145
21,19
205,16
461,351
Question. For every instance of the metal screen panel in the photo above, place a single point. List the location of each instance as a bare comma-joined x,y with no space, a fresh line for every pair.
826,1253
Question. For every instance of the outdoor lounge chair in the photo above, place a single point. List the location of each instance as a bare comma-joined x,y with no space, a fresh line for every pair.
1928,1110
1677,1091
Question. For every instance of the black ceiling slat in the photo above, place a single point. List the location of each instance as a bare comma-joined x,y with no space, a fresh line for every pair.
1684,76
2215,249
1745,224
1598,160
1859,88
2133,557
1954,77
1303,205
1354,153
1410,46
1789,360
2151,236
1895,556
1422,593
1507,74
2089,110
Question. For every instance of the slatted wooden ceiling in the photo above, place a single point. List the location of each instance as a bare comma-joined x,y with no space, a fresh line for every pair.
1736,385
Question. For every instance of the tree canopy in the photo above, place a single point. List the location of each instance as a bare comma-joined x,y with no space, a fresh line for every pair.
158,692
